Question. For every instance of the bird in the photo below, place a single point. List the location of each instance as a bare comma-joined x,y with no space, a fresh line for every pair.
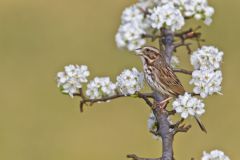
161,77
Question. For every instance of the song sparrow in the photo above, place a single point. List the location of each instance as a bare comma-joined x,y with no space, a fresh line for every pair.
160,76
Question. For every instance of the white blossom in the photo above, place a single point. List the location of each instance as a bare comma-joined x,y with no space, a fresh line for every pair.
174,61
132,27
206,82
215,155
207,56
130,81
166,16
147,15
145,4
130,36
199,9
100,87
152,123
186,105
132,14
72,78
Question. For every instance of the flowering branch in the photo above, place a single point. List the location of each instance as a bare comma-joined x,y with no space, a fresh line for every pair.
84,101
162,21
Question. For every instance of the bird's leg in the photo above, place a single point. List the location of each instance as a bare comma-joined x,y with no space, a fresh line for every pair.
163,103
166,100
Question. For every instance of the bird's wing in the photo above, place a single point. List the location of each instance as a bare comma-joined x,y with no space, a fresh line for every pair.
168,78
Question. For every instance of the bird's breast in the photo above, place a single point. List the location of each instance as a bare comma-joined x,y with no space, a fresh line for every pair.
153,82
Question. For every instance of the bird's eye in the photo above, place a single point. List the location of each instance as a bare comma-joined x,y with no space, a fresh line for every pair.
147,50
151,56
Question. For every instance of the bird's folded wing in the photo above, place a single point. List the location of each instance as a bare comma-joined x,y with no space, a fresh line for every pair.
168,78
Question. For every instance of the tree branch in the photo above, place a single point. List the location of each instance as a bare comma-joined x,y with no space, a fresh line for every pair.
172,112
176,125
134,157
165,129
190,34
183,44
168,38
166,135
164,126
85,101
182,128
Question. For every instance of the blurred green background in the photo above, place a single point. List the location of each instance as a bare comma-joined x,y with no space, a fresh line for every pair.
38,38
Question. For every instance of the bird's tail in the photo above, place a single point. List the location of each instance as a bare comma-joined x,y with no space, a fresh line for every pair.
200,124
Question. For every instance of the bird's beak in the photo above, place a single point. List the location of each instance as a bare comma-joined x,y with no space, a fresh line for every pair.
138,51
139,54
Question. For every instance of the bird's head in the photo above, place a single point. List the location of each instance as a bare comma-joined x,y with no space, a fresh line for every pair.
149,54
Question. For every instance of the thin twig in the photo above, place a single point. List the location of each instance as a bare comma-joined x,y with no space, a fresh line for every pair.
176,125
188,33
184,71
172,112
146,12
134,157
154,133
183,44
194,94
191,34
160,42
81,93
144,96
179,122
182,128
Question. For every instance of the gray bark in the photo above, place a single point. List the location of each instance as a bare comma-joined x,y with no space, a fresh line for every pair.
162,115
164,130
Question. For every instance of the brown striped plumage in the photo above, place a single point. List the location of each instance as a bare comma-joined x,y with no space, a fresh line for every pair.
160,76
